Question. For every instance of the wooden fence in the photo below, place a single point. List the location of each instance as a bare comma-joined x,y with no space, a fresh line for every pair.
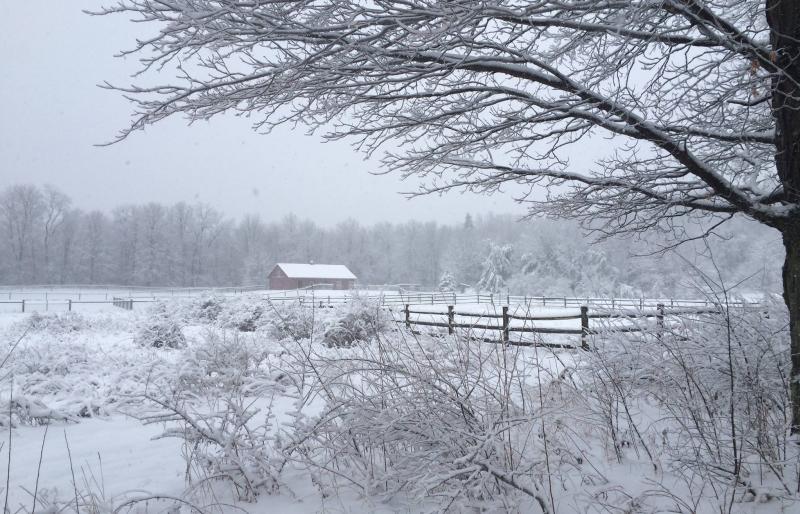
123,303
331,298
506,328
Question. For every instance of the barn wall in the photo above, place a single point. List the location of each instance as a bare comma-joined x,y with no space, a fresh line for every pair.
277,282
282,283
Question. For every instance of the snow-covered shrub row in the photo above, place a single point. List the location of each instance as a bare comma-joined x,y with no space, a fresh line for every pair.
57,324
698,410
68,378
691,418
340,325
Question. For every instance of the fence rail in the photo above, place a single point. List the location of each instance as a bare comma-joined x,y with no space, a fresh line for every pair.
127,299
584,331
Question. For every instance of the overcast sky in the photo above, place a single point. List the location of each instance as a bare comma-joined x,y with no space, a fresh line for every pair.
54,113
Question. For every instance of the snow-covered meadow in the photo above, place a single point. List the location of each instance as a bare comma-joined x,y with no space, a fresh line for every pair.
223,403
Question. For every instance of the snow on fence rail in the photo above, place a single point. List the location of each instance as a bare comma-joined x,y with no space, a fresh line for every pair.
507,319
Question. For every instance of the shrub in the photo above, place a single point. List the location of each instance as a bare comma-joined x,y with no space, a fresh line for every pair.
225,361
209,308
356,321
292,321
64,322
160,330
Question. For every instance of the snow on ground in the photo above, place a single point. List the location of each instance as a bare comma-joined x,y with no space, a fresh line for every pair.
74,374
112,458
79,377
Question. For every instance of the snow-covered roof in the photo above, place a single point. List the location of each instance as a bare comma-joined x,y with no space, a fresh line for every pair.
331,271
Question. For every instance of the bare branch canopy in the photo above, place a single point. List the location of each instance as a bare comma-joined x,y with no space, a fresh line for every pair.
475,94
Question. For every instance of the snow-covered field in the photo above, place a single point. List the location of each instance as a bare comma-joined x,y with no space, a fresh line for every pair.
228,403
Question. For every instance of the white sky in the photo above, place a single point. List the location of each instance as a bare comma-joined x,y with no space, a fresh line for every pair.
53,114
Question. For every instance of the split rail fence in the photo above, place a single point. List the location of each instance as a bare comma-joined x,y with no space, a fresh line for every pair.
506,328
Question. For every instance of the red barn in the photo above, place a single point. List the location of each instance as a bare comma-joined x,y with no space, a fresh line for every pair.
297,276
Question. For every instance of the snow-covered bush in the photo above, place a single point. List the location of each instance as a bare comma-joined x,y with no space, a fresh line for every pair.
704,401
226,440
245,314
698,408
76,375
359,320
25,410
63,322
446,423
160,329
219,402
209,308
291,321
226,361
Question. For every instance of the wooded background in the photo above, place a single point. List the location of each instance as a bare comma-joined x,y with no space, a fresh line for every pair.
48,240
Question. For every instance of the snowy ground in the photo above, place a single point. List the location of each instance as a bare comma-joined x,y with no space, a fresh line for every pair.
78,381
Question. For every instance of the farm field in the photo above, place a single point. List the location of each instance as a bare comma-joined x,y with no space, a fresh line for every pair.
230,403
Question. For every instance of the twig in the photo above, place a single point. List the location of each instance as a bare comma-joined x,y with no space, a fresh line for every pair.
72,470
39,467
8,465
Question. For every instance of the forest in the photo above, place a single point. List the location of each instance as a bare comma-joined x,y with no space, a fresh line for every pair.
50,240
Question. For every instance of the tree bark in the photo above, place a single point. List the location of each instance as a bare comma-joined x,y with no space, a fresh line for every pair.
783,17
791,295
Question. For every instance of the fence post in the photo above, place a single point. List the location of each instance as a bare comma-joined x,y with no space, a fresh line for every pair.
23,305
505,323
659,321
451,316
584,327
641,303
408,316
491,298
69,305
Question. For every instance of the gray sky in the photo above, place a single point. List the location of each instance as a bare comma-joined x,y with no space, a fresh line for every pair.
53,114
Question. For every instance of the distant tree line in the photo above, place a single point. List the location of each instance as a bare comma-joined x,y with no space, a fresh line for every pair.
47,240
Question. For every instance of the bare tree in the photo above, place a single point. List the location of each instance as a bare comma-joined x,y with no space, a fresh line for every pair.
95,251
21,209
701,97
56,206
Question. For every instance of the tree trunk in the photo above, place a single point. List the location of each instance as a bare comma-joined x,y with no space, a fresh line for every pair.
784,20
791,294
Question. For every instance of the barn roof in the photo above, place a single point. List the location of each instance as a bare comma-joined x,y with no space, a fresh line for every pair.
330,271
